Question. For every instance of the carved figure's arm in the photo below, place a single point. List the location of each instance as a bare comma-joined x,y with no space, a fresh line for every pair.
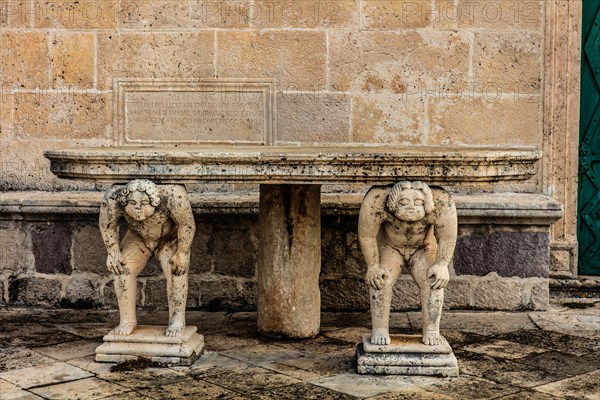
181,212
110,213
446,227
372,214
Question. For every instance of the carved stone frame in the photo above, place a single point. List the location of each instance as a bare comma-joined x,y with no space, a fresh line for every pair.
562,63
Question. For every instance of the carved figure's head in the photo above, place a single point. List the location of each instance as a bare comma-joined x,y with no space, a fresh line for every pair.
140,199
410,201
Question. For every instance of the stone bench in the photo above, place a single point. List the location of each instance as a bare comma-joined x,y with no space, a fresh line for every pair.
290,180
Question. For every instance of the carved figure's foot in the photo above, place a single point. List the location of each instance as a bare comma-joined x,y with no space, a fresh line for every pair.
125,328
175,329
432,338
381,337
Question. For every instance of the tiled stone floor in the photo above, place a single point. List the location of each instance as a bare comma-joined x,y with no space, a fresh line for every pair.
537,355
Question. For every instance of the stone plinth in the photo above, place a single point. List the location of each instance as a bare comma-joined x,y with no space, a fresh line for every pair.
150,341
406,355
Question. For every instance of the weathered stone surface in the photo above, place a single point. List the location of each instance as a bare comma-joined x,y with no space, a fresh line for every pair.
89,252
236,248
110,298
313,118
295,164
458,294
489,120
151,269
149,341
24,60
15,14
340,252
84,389
406,62
64,115
44,374
13,251
496,294
224,14
201,258
174,111
83,289
26,169
52,248
522,254
6,106
497,14
66,14
508,63
400,363
227,295
305,14
388,119
344,294
405,294
72,60
406,343
397,14
156,294
296,58
152,55
540,296
34,291
289,260
154,14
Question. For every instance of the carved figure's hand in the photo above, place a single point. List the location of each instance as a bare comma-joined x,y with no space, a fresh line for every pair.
180,262
114,262
376,277
440,275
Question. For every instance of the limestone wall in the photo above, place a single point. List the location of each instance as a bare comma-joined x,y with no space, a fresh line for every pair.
63,263
461,73
378,72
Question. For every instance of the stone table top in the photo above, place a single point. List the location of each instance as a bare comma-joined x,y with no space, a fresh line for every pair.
294,165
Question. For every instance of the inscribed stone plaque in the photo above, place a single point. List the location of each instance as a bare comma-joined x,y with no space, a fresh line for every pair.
205,111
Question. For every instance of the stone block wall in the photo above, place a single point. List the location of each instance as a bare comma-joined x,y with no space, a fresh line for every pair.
374,72
497,73
63,263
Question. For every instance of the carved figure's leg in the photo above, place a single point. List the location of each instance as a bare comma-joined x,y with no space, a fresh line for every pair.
391,262
135,255
432,300
177,289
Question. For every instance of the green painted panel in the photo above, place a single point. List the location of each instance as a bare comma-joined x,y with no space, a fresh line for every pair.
589,142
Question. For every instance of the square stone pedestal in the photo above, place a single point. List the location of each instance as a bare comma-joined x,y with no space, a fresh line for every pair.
406,355
150,341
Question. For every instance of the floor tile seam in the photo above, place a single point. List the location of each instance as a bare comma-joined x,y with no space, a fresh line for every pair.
566,378
221,386
250,393
54,383
518,360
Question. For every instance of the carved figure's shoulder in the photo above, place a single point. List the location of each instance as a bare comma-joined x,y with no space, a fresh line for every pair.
378,194
113,193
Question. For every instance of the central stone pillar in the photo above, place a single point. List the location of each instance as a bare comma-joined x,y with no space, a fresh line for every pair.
289,261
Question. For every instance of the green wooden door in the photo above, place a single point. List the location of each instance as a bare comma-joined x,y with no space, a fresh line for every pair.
589,142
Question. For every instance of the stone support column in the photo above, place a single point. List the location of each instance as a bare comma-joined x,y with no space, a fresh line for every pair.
289,261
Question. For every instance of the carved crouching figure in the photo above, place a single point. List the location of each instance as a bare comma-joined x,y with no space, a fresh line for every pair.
160,222
407,226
